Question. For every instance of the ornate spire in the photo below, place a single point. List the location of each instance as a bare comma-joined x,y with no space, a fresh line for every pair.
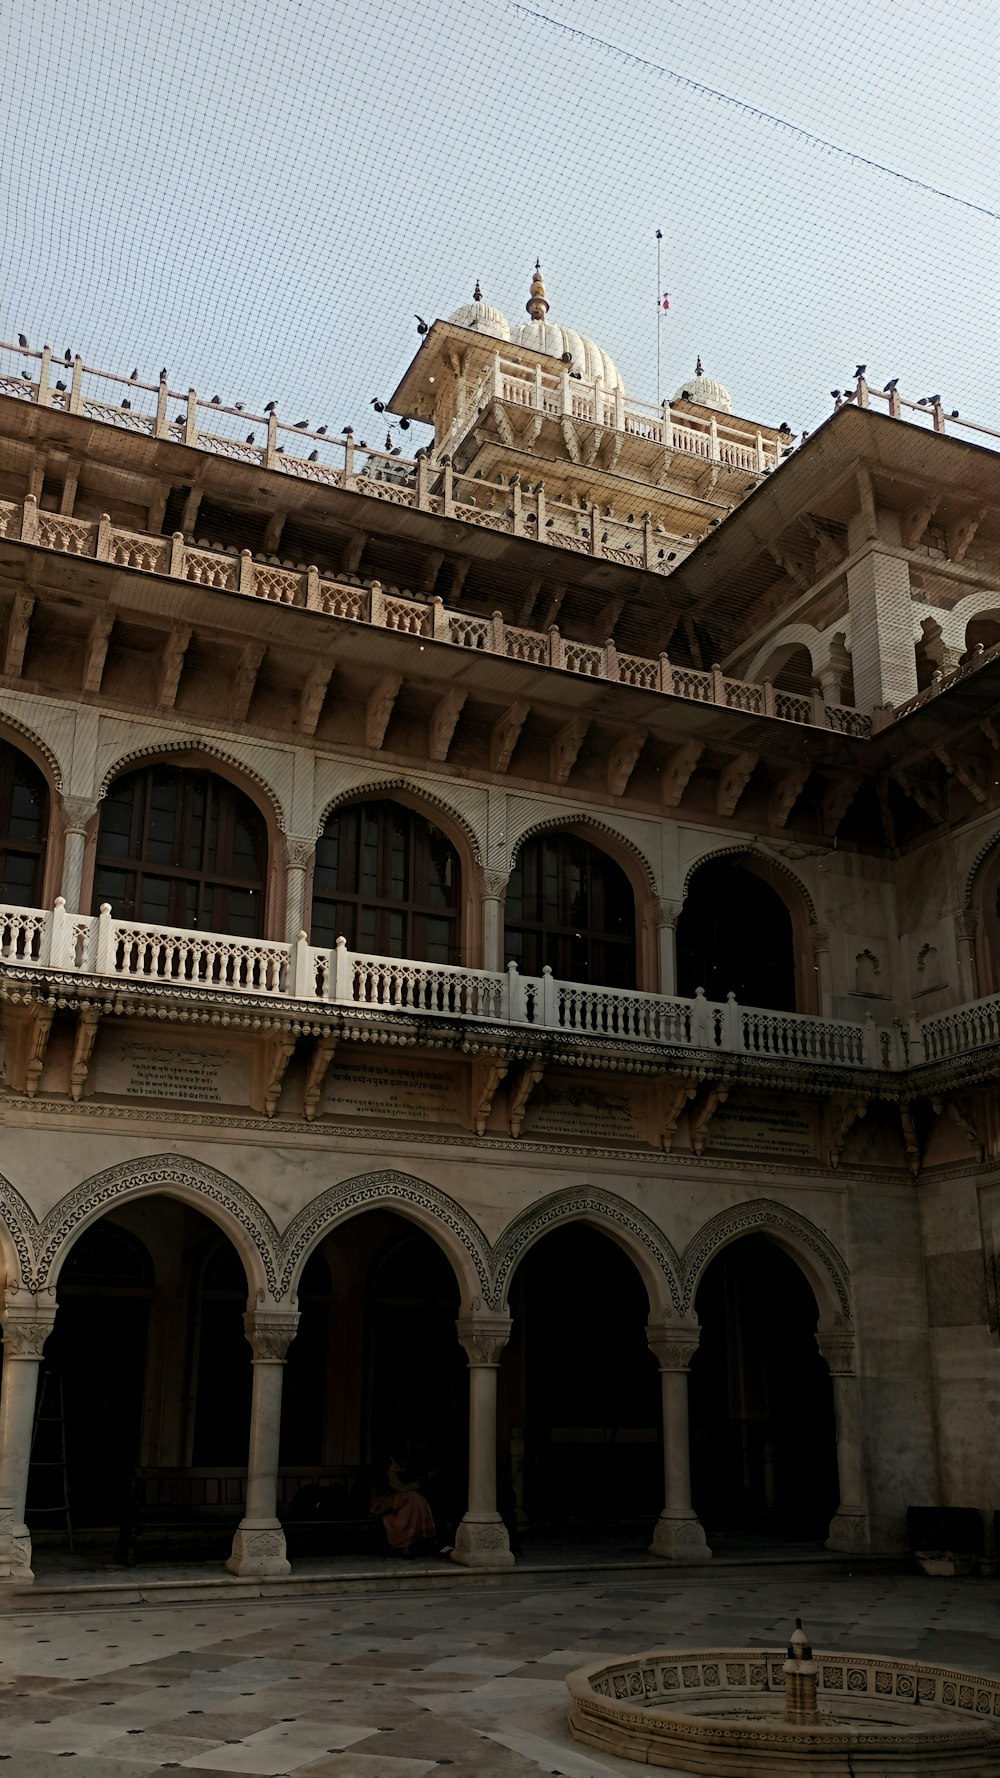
697,369
536,304
477,295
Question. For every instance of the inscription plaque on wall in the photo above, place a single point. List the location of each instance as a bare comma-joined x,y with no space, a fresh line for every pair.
195,1072
417,1093
760,1126
582,1114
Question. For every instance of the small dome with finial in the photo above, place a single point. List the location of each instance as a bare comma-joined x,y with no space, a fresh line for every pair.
482,316
585,357
705,391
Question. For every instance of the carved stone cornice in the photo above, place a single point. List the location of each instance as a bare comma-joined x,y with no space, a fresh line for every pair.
483,1337
270,1335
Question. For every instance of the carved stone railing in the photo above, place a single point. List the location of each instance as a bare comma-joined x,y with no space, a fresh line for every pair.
172,958
955,1033
232,571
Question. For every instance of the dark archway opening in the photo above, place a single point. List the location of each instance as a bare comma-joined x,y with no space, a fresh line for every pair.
389,882
24,821
580,1422
375,1373
763,1433
146,1379
184,848
734,935
572,907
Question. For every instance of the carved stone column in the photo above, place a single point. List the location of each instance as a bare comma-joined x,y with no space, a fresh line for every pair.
481,1540
965,932
494,884
259,1542
819,938
849,1528
78,812
26,1327
667,915
678,1536
299,855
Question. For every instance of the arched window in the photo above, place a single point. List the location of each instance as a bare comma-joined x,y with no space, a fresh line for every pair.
571,906
735,936
388,882
24,819
182,848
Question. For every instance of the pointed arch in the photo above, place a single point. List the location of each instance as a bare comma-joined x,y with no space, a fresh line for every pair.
456,1233
203,753
812,1250
218,1197
37,750
793,882
573,820
646,1245
417,797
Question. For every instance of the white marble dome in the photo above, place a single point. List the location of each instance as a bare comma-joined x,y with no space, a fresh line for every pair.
541,335
705,391
482,316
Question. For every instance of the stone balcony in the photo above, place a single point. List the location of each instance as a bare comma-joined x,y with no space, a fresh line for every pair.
298,981
424,619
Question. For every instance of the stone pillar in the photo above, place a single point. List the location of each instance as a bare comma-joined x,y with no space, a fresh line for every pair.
819,938
481,1540
26,1327
849,1528
494,883
965,933
299,855
78,813
259,1542
678,1536
667,914
881,605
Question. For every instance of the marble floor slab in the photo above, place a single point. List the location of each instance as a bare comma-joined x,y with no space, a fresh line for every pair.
467,1684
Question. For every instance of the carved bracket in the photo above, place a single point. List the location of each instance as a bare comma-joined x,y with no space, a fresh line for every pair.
675,1093
316,1072
675,774
837,799
244,680
38,1043
171,665
444,717
953,1108
278,1052
842,1114
379,708
487,1076
504,738
83,1047
313,695
622,761
97,650
528,1080
785,793
733,780
702,1117
18,625
565,748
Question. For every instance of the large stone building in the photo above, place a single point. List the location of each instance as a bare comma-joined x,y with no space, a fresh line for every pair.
545,884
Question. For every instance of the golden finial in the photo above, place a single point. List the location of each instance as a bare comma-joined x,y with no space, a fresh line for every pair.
536,304
477,295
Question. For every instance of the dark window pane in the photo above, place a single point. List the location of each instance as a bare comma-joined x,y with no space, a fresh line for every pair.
24,812
382,873
570,906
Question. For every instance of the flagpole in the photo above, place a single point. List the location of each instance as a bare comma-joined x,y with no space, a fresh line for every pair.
659,238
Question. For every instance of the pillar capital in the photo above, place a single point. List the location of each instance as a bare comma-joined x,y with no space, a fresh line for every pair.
483,1337
674,1344
26,1327
494,884
78,812
838,1347
667,912
299,852
270,1335
819,937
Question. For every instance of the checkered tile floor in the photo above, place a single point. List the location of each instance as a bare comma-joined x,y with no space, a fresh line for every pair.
398,1686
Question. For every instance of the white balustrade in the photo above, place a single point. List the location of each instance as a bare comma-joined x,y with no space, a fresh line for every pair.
956,1033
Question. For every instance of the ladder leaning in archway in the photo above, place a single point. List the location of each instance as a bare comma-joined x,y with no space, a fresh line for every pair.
48,1452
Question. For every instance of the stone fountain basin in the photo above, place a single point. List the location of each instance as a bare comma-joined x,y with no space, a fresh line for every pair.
719,1713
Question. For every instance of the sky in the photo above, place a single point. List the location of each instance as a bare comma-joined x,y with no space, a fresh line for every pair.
262,198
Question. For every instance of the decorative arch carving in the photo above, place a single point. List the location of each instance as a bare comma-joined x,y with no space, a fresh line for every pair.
814,1252
647,1245
388,787
459,1236
581,818
765,858
975,867
195,745
46,760
248,1226
17,1228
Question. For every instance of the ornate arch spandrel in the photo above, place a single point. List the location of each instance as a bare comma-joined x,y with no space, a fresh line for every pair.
457,1234
814,1253
421,800
638,1236
18,1237
218,1197
205,752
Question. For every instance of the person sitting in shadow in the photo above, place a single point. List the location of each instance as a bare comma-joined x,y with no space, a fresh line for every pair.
404,1510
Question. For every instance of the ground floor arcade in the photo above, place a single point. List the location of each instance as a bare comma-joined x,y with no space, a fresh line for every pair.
572,1387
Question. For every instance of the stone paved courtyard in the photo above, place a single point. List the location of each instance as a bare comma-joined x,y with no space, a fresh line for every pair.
395,1686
